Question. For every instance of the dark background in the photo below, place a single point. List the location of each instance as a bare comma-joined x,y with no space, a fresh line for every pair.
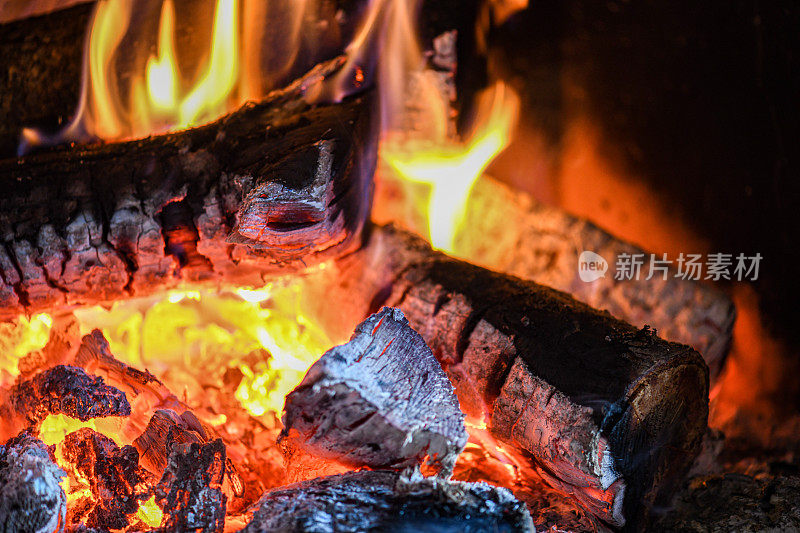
700,101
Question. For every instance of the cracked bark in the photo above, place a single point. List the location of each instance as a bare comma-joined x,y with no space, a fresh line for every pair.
274,185
609,413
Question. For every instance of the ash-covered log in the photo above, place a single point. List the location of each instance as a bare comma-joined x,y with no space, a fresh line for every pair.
274,184
190,491
381,401
614,413
62,389
31,497
113,474
388,501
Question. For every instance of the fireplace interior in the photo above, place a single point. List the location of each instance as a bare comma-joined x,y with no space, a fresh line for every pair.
371,265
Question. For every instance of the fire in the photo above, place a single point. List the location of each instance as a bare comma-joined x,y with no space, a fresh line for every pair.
19,338
451,169
159,101
150,513
261,334
160,94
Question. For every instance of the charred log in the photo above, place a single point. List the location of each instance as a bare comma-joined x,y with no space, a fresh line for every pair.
613,413
380,401
31,498
113,474
190,491
166,428
515,234
388,501
277,183
65,390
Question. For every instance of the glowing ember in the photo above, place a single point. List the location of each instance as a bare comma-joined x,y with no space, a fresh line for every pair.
262,333
150,513
18,339
55,427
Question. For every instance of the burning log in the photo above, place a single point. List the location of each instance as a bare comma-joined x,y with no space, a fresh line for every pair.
113,474
388,501
615,413
276,183
515,234
167,427
31,497
61,389
381,401
190,491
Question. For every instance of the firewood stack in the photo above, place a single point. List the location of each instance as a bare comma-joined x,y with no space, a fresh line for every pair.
610,416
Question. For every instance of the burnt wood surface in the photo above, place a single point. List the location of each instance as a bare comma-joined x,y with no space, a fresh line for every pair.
60,389
190,491
273,184
388,501
381,401
610,413
113,475
510,231
31,498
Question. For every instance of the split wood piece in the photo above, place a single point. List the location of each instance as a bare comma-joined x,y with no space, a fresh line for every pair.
273,185
167,429
190,491
31,497
171,419
388,501
113,475
614,412
513,233
380,401
62,389
94,355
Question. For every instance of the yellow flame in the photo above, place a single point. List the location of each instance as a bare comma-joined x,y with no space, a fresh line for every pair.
20,337
157,100
110,20
259,331
207,99
162,76
451,169
150,513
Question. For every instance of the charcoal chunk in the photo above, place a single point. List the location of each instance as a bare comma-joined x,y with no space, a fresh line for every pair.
31,498
387,501
68,390
190,491
382,401
113,474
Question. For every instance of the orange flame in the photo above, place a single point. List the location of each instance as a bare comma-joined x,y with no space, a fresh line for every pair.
158,101
451,169
154,96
